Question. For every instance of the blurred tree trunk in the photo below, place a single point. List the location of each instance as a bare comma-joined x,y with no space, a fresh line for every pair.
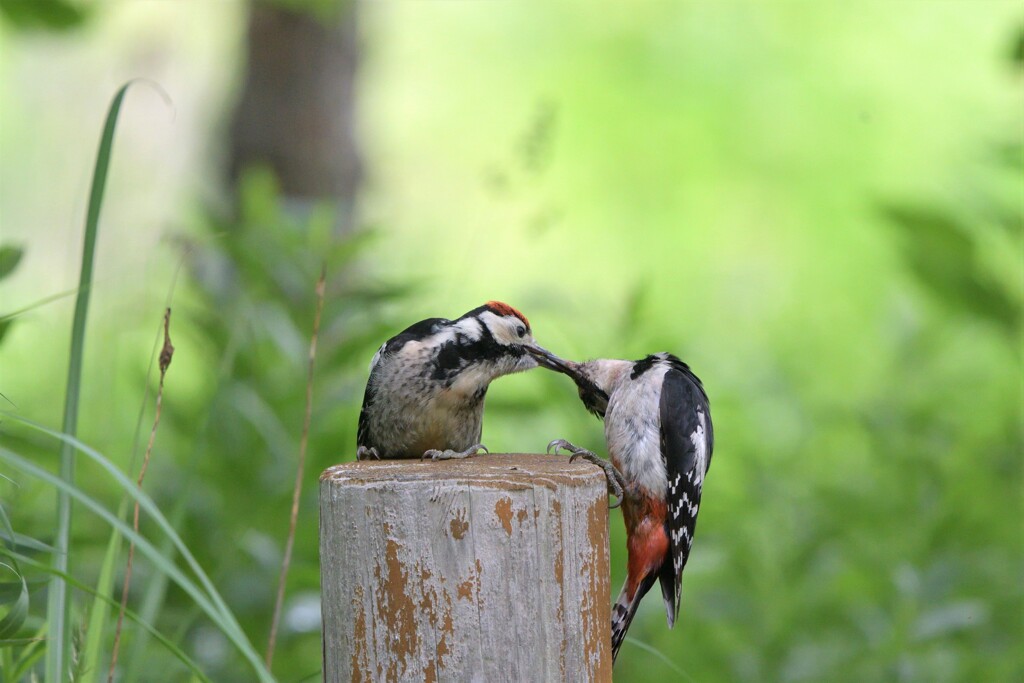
295,114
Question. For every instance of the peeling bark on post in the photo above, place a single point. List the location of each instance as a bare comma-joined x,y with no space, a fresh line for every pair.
492,568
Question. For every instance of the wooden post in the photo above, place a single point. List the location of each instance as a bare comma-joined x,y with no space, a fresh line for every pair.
492,568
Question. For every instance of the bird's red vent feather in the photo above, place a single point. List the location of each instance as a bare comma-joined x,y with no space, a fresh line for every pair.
504,309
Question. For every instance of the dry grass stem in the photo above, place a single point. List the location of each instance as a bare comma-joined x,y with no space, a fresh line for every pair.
297,492
166,353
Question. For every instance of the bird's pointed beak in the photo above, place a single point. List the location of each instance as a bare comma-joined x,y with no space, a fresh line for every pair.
593,396
550,361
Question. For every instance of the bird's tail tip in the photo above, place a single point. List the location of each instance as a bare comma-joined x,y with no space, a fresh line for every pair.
623,612
622,615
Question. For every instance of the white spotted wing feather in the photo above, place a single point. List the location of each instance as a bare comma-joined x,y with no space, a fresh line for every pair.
687,439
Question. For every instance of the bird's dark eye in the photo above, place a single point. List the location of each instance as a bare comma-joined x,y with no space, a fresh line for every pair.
521,331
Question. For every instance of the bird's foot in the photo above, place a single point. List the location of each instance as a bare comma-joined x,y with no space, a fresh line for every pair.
562,444
364,453
616,482
434,454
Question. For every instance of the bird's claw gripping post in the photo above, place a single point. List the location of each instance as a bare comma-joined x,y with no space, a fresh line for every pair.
435,455
364,453
562,444
616,482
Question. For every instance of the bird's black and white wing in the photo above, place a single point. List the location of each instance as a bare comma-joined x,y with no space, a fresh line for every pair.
363,433
416,331
687,438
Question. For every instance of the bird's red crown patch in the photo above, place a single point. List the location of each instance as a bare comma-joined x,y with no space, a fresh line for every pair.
502,308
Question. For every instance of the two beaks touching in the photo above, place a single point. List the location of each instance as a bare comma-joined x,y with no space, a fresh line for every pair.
425,398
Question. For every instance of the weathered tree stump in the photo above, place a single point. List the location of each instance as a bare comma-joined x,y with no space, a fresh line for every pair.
492,568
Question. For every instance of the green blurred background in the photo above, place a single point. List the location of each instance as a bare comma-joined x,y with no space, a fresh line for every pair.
818,205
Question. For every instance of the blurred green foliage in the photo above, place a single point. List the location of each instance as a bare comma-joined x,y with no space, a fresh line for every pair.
10,257
254,277
817,205
43,14
943,255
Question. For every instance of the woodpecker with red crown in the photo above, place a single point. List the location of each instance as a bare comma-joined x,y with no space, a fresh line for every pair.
657,426
425,394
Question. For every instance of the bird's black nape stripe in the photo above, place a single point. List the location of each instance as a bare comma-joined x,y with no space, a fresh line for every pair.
485,332
643,365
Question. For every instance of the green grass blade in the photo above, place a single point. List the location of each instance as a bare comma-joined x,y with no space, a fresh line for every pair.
32,652
211,602
153,596
659,655
5,527
36,304
225,622
16,615
12,622
26,542
99,611
58,609
145,503
146,626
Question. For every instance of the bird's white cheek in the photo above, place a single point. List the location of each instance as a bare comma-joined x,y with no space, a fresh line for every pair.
501,335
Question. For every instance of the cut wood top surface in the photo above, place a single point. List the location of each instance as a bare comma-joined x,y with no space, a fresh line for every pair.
513,470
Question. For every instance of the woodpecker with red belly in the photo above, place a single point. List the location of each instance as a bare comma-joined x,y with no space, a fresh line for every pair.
657,426
425,394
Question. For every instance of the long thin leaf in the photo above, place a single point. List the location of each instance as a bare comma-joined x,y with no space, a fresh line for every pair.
9,590
226,623
36,304
218,610
149,628
99,610
30,653
16,642
134,493
152,601
15,617
58,609
660,655
6,529
26,542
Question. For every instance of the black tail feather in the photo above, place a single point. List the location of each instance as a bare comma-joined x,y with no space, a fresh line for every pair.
667,577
